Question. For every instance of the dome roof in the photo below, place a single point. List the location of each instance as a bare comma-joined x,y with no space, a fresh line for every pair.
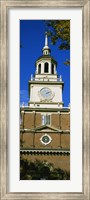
46,57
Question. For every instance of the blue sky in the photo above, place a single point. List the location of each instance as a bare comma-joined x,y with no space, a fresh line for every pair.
32,37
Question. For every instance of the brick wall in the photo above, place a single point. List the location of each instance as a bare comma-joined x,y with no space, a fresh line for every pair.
59,121
29,120
28,140
65,141
31,140
38,119
65,121
55,121
61,161
62,141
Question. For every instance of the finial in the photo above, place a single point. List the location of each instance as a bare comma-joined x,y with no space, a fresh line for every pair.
23,104
31,77
46,33
46,50
69,105
60,78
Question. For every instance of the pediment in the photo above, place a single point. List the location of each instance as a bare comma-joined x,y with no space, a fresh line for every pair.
45,128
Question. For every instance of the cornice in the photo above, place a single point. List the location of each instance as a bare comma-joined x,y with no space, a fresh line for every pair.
46,82
46,151
43,102
61,110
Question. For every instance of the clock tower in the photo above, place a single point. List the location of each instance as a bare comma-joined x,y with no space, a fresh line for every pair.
45,89
45,122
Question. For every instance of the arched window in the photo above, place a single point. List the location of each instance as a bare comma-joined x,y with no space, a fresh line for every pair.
39,69
46,67
46,52
52,69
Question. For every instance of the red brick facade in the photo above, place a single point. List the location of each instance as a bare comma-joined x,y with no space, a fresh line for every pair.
32,130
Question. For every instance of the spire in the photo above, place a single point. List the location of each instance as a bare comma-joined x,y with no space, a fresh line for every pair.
46,39
46,50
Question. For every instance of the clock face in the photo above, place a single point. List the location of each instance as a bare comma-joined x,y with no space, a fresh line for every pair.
46,93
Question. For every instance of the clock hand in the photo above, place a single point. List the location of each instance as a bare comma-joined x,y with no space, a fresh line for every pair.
47,92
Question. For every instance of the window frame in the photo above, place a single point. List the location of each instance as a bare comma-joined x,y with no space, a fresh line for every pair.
45,119
39,68
46,71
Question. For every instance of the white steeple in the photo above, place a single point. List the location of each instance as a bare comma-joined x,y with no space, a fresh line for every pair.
46,88
46,50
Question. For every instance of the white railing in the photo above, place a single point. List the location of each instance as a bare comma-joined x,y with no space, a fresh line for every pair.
46,79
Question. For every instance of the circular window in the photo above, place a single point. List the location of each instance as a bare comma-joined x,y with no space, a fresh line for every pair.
45,139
